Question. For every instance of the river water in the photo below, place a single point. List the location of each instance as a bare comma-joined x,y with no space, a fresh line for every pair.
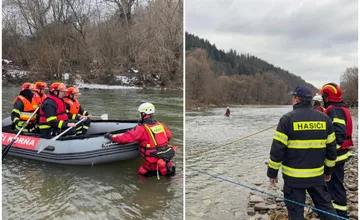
37,190
242,162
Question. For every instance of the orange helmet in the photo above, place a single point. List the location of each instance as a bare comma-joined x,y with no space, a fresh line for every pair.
332,91
59,86
72,91
40,85
27,85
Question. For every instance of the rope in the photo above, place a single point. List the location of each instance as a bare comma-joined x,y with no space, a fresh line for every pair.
266,193
231,142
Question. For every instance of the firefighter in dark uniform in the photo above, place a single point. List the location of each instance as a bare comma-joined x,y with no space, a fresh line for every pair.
53,115
342,122
304,147
24,106
73,106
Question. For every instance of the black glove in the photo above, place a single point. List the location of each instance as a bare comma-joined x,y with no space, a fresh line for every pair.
108,136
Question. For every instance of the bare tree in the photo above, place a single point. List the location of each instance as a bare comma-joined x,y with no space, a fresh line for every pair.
349,84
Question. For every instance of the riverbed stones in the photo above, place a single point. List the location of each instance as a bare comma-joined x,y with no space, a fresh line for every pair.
256,199
353,214
261,206
353,207
251,211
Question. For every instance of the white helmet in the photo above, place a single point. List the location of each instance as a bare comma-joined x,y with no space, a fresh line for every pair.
227,107
147,108
317,98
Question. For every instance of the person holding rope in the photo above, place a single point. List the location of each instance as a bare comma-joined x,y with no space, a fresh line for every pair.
304,146
342,122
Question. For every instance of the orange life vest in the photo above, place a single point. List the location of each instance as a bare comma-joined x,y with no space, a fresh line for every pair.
74,106
29,109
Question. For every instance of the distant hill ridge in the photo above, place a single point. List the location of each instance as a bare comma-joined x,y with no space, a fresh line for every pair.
234,63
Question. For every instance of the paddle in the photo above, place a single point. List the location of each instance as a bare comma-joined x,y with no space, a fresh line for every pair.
103,116
56,137
7,148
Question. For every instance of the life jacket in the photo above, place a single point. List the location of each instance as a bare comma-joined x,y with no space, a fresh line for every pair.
227,112
60,111
158,144
348,139
319,108
29,109
74,105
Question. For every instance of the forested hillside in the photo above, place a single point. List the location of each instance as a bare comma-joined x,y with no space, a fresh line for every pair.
235,63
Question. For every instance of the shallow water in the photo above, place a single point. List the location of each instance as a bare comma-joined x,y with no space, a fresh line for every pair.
37,190
207,132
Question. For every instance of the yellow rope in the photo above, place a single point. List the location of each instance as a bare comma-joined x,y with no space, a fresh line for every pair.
206,150
284,215
248,136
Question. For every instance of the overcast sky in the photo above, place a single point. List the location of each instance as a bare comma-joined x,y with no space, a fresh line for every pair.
316,40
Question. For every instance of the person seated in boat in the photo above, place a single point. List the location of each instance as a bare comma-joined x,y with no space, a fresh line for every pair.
53,115
317,99
39,91
227,113
153,138
24,106
73,106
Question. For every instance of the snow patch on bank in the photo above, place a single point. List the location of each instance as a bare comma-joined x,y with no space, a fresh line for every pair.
100,86
19,73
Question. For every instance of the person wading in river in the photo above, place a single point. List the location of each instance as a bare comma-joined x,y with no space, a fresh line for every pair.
304,146
227,113
342,121
153,138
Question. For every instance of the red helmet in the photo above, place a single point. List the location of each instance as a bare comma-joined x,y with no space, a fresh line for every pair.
72,91
332,91
58,86
27,85
40,85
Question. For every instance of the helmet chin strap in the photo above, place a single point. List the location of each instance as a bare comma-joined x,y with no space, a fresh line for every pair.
144,116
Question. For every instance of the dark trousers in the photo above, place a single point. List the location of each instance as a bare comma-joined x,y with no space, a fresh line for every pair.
54,132
319,195
337,190
83,127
